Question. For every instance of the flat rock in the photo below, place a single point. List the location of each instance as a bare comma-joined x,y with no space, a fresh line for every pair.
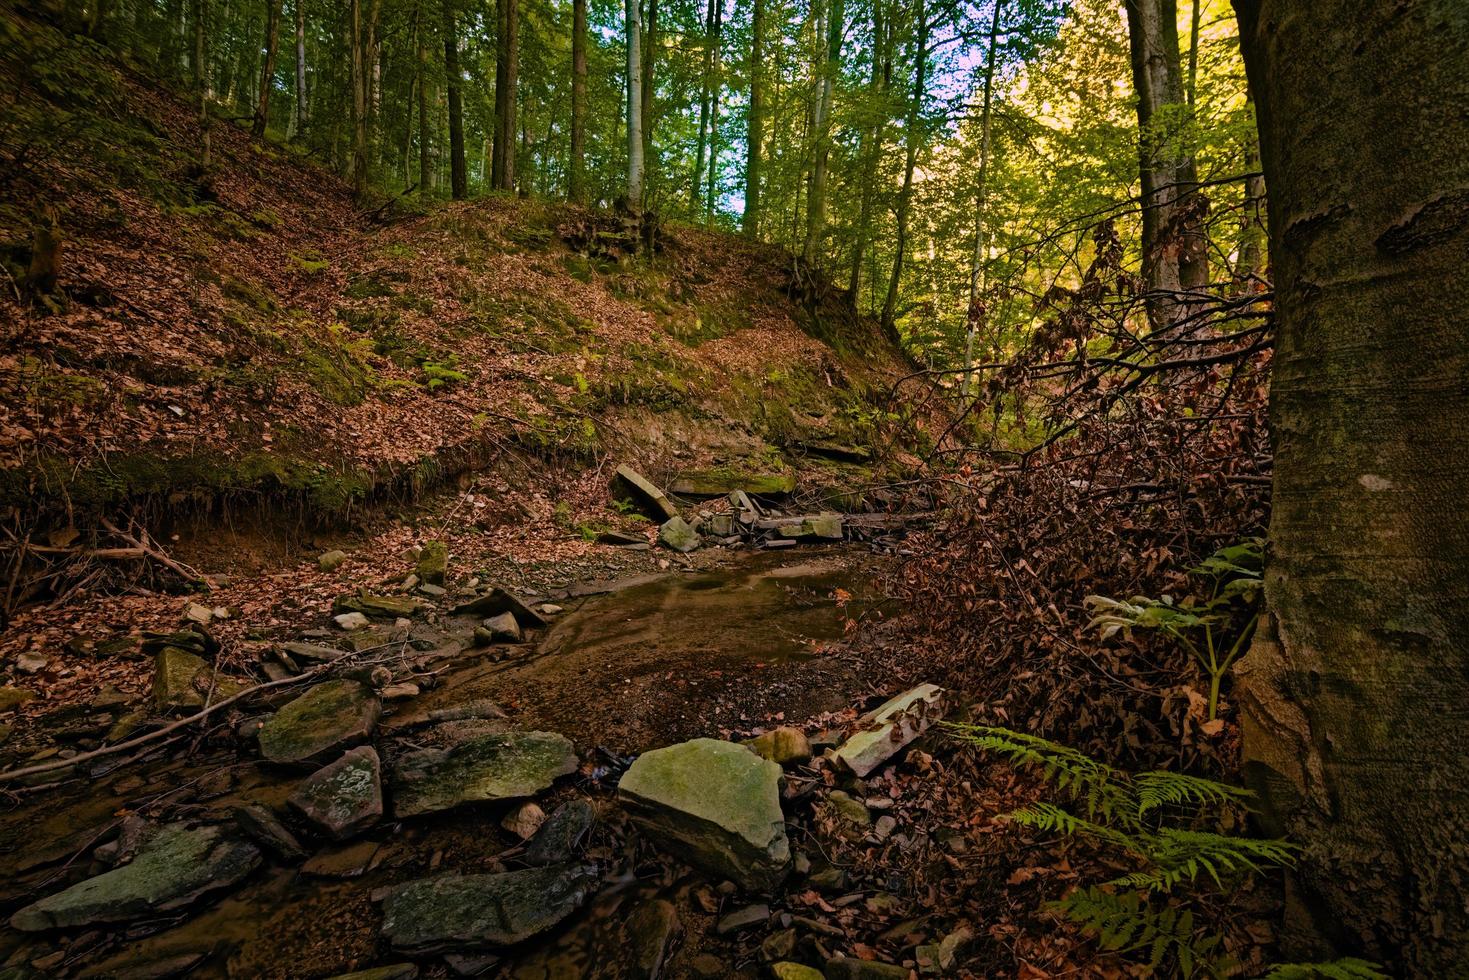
563,833
377,606
504,766
175,867
465,912
740,919
265,828
394,971
720,483
716,805
794,971
345,797
312,652
892,726
631,485
328,717
785,746
850,968
498,601
650,932
676,533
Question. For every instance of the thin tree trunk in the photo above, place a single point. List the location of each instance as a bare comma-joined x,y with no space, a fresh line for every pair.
267,68
716,70
359,102
912,137
201,81
425,130
870,151
696,187
1355,700
512,81
578,179
299,10
649,46
974,318
458,172
755,123
829,18
1193,55
634,109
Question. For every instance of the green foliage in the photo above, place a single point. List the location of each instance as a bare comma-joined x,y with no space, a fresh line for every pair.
1126,923
1349,968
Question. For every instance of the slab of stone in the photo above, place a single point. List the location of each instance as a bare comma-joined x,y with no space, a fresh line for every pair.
631,485
562,835
504,766
716,805
182,681
720,483
785,746
891,727
394,971
265,828
676,533
345,797
741,919
650,932
452,912
498,601
794,971
850,968
330,716
343,861
433,563
175,867
377,606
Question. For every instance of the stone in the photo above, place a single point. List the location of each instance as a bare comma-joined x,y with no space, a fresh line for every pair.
328,717
678,535
721,525
31,662
505,766
313,652
650,931
778,945
722,482
708,965
194,640
352,621
433,591
343,798
176,866
885,826
741,919
265,828
632,486
400,692
829,879
464,912
471,965
794,971
377,606
182,680
716,805
850,968
328,561
892,726
433,563
196,613
344,861
498,601
785,746
13,697
503,628
524,820
621,539
395,971
563,833
849,809
828,526
551,609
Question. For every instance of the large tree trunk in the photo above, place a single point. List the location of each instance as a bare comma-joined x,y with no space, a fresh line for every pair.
1355,704
912,137
267,68
649,45
755,123
302,118
577,190
975,314
634,109
870,151
458,171
829,17
507,56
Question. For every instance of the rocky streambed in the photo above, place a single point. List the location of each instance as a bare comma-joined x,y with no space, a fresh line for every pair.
626,780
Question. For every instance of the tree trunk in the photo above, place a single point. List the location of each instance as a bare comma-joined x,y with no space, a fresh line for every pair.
1251,259
507,53
267,68
634,109
829,17
716,69
974,317
201,81
705,92
359,102
912,137
577,190
870,151
755,124
458,172
302,117
649,46
1355,703
425,130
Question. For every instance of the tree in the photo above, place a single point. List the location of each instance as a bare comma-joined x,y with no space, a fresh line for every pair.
649,49
1354,702
425,130
634,110
707,95
267,67
829,26
507,70
454,79
359,100
302,107
577,177
974,314
755,123
872,140
913,136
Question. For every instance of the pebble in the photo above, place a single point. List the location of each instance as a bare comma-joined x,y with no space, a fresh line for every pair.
351,621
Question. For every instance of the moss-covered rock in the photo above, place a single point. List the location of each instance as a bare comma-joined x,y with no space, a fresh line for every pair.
433,563
344,797
719,482
330,716
506,766
183,681
458,912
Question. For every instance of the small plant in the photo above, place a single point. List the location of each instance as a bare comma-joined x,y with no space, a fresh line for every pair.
1201,625
438,375
1349,968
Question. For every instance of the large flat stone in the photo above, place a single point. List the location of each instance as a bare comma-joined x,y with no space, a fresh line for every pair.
465,912
715,804
344,797
888,729
505,766
497,602
632,485
721,482
175,867
330,716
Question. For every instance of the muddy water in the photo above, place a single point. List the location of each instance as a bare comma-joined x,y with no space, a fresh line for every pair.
647,663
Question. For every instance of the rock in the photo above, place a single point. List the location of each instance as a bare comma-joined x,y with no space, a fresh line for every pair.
400,692
196,613
848,968
348,861
630,485
195,640
750,915
827,526
505,766
619,539
433,563
551,609
352,621
476,965
328,717
480,708
503,628
708,965
524,820
313,652
377,606
182,680
175,867
498,601
31,662
345,797
849,809
559,838
678,535
785,746
794,971
329,560
650,930
433,591
778,945
396,971
829,878
721,525
13,697
722,482
892,726
263,827
466,912
715,804
885,826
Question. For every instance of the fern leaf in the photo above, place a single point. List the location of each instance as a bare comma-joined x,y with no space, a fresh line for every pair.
1345,969
1155,789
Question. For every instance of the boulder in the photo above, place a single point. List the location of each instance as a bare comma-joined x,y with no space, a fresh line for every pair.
851,968
503,628
650,932
630,485
785,746
174,868
559,838
433,563
377,606
715,804
328,717
676,533
505,766
181,681
329,561
722,482
345,797
498,601
892,726
454,912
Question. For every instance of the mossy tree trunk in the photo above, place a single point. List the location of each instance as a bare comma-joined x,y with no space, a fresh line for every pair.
1356,703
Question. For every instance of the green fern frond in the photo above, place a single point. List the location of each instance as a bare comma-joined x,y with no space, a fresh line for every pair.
1345,969
1178,856
1155,789
1124,923
1104,791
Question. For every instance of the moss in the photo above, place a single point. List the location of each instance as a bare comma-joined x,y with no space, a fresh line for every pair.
251,294
310,263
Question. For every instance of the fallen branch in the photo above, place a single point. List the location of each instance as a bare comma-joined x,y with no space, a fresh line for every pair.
149,550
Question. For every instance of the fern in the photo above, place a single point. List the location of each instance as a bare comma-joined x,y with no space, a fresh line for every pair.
1124,923
1104,791
1155,789
1344,969
1176,856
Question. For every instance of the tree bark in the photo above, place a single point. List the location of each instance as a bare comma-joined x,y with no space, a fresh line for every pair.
201,81
1355,704
649,47
425,130
830,15
716,69
577,171
705,93
458,171
755,124
974,317
359,102
267,68
872,136
634,109
912,138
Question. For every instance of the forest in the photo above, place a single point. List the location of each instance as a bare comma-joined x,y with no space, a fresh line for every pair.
846,489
